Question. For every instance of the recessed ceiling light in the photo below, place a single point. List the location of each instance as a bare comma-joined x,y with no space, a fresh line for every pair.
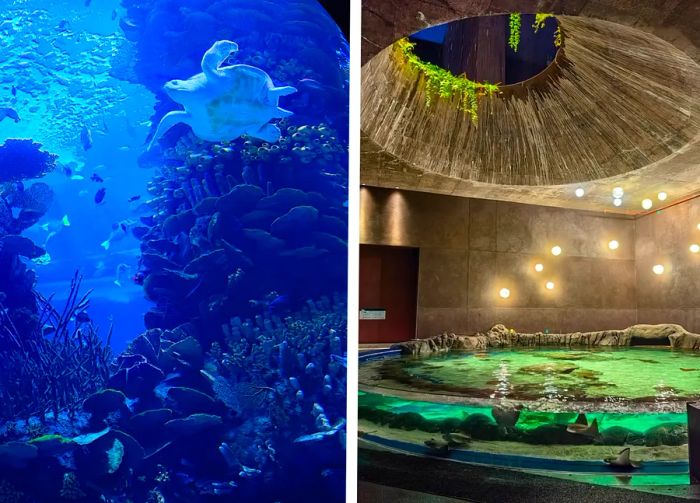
695,248
647,204
613,245
549,285
579,192
556,250
617,192
662,196
504,293
658,269
617,201
539,267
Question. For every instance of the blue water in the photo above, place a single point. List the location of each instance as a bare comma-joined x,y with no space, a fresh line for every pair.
227,241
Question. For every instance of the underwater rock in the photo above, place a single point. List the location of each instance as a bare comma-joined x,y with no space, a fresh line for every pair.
283,200
186,353
549,434
189,401
105,402
177,223
23,159
206,262
19,245
296,223
193,424
667,434
617,435
550,368
168,284
240,200
481,427
149,421
17,454
412,421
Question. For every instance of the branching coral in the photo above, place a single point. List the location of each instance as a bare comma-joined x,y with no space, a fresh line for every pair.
443,83
55,366
514,33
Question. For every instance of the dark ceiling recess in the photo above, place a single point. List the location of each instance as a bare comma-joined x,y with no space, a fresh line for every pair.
340,11
478,47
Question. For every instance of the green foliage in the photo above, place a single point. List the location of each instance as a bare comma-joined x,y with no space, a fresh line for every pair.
443,83
540,19
514,37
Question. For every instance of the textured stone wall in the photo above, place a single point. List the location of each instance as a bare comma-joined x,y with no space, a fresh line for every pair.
471,248
664,238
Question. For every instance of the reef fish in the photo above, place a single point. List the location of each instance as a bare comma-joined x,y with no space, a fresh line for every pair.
86,138
100,195
9,112
96,178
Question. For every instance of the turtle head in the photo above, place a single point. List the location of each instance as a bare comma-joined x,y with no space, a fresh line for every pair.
175,89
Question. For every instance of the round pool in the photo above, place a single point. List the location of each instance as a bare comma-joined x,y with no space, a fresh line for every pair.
569,409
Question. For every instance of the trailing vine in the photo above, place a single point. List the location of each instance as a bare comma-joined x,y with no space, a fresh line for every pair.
558,37
514,37
443,83
540,19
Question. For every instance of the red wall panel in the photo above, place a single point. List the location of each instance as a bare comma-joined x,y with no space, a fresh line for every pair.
388,280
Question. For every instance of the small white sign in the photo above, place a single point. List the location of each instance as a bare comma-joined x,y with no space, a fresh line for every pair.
373,314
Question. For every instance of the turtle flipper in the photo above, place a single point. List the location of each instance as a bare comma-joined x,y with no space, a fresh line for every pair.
276,92
267,132
169,120
216,55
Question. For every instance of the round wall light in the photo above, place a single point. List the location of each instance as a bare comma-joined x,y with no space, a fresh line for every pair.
662,196
613,245
504,293
579,192
549,285
617,192
695,248
556,250
658,269
617,201
539,267
647,204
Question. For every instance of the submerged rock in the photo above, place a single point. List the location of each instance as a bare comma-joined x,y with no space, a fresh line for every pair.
667,434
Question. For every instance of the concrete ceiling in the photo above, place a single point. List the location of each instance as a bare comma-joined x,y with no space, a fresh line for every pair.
620,107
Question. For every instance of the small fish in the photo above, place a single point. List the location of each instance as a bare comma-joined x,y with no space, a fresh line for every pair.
114,14
82,317
456,439
100,195
63,25
86,138
121,272
87,3
119,231
133,198
67,171
14,91
96,178
9,112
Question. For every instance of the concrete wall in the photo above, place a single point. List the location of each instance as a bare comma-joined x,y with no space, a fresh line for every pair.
664,238
470,249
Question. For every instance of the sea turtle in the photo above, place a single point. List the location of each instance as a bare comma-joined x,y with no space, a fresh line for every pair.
225,102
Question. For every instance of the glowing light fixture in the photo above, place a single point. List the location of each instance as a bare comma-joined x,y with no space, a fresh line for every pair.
658,269
556,250
549,285
539,267
695,248
647,204
662,196
617,193
699,227
617,202
504,293
579,192
613,245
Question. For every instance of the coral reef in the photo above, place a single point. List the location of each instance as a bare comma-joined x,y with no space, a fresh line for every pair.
23,159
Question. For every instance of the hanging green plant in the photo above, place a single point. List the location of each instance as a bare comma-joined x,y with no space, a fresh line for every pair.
540,19
443,83
514,37
558,37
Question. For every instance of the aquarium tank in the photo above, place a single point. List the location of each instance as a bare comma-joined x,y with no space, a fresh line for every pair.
173,251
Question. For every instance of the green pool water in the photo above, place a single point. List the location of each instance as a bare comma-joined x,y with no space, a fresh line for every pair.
625,379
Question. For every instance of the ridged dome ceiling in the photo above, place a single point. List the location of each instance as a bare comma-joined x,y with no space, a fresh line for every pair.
619,106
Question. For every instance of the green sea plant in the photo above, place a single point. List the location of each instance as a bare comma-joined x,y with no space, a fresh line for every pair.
514,36
444,83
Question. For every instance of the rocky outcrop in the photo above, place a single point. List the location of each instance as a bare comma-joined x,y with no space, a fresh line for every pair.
500,336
